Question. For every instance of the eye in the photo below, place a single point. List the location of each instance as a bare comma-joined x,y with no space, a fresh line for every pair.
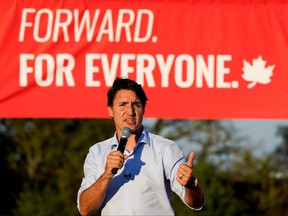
122,104
138,104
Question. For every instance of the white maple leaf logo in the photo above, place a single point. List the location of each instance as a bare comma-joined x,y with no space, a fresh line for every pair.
257,72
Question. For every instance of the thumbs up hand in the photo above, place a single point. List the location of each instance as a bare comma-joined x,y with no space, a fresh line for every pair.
185,172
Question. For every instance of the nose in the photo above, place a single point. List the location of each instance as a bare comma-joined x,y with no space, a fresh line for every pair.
131,110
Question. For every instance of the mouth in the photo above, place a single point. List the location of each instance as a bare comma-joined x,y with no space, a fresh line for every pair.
130,120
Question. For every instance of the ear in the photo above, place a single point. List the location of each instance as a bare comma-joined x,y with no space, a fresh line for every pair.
110,111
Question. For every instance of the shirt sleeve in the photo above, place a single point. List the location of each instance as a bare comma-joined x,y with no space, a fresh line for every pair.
91,173
173,157
176,156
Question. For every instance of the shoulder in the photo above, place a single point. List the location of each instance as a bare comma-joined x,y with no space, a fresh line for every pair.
163,144
103,146
161,140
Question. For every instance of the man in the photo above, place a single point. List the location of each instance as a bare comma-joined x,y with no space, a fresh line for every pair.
150,168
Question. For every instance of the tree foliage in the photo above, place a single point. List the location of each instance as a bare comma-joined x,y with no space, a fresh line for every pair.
42,165
48,155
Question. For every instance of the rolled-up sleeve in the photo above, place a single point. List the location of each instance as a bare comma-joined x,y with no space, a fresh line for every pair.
91,171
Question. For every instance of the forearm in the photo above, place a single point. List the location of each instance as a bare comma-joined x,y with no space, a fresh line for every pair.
92,198
194,197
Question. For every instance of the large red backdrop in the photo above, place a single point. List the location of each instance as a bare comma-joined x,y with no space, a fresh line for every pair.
195,59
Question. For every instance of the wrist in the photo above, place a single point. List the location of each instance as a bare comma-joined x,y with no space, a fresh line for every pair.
192,183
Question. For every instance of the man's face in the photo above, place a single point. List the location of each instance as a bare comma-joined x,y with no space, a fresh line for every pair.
127,111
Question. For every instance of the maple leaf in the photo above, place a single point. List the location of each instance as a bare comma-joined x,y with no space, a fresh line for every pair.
257,72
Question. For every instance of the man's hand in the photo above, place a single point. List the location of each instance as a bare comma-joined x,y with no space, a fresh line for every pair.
115,159
194,195
185,171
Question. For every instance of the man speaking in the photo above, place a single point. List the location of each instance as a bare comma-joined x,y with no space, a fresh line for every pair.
135,171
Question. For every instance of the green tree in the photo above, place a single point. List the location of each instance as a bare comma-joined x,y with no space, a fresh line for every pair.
281,152
276,201
42,160
10,180
48,154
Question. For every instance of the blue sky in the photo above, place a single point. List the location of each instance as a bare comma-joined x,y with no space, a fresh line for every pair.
262,132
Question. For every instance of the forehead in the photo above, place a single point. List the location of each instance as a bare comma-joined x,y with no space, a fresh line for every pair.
125,94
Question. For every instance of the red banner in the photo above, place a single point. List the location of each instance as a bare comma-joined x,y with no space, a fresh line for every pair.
195,59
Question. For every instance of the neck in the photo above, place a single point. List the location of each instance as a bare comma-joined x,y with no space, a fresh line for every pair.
133,139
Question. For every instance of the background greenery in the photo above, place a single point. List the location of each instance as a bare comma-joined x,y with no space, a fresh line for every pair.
41,166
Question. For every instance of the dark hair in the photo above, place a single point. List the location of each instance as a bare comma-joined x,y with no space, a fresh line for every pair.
125,83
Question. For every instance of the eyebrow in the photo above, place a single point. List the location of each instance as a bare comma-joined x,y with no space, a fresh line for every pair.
134,102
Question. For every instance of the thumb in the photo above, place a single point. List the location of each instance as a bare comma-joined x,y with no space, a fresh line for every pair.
190,159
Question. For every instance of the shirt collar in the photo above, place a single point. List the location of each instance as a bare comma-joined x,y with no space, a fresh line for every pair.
144,138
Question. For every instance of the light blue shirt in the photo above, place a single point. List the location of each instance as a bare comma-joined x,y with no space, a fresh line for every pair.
145,183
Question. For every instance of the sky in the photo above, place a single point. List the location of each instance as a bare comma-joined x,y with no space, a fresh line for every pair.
262,132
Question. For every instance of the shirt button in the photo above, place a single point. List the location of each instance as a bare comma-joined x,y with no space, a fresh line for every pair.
127,175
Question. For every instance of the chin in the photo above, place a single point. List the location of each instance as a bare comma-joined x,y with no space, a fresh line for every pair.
134,128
